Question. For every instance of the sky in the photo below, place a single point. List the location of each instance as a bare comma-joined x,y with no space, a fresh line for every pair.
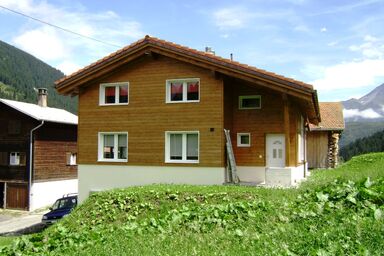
335,45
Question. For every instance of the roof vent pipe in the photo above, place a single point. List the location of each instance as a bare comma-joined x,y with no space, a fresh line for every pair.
209,50
42,97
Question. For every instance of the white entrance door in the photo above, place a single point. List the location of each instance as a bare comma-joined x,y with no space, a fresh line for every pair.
275,148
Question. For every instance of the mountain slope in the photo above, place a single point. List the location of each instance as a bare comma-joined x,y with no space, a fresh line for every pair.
373,143
20,72
368,108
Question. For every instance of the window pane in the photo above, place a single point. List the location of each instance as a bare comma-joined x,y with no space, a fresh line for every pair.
109,146
110,92
280,153
244,139
176,91
250,102
192,147
14,158
193,91
123,94
176,145
122,146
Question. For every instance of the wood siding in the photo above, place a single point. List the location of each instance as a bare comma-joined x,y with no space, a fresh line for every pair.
14,137
50,162
257,122
148,116
317,149
52,143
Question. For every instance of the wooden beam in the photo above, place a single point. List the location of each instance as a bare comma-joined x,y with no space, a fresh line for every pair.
287,130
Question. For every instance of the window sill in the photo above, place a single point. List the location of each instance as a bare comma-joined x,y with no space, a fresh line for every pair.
182,161
188,101
113,104
243,146
113,160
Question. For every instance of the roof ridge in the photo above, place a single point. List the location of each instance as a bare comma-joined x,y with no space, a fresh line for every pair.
154,40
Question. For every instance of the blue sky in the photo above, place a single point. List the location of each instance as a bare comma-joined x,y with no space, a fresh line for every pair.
336,45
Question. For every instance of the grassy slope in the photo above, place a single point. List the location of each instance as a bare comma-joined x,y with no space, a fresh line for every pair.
321,217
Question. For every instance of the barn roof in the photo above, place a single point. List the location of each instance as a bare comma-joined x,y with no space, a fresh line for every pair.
39,113
331,117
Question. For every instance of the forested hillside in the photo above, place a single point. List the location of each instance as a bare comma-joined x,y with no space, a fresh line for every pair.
373,143
20,72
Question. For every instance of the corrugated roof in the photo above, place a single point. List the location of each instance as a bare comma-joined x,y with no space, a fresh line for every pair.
48,114
331,117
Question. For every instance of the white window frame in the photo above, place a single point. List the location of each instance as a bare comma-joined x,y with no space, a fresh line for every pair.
101,147
14,158
117,93
71,158
185,90
184,147
241,98
239,144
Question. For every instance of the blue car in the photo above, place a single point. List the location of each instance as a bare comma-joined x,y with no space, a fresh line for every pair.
62,207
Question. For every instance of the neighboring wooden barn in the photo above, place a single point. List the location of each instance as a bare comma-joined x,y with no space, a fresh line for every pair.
323,139
38,149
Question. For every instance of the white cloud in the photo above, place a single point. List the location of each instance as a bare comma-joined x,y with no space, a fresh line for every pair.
231,18
371,48
68,67
324,29
360,72
301,28
352,74
367,113
43,43
56,46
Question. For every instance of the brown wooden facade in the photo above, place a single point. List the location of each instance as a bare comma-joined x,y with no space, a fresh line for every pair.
146,66
147,116
50,144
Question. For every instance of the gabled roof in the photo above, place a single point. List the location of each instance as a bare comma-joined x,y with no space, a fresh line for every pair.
148,46
48,114
331,117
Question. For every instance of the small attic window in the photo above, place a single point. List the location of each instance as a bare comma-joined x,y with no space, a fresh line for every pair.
250,102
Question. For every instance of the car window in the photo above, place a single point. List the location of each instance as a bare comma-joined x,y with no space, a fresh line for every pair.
64,203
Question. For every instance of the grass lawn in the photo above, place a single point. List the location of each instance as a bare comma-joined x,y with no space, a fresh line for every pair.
336,212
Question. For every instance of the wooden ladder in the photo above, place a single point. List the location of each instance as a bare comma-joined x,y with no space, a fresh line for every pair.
231,159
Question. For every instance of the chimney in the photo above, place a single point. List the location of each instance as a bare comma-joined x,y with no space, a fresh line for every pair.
42,96
209,50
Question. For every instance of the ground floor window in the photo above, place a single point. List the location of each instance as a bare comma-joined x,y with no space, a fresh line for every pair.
243,139
182,147
113,146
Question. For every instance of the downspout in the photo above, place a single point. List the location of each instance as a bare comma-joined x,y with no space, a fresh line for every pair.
31,162
305,151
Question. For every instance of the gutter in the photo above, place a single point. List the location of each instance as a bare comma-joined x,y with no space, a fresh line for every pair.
30,163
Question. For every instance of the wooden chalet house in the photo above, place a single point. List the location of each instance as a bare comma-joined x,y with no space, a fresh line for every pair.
38,149
323,139
155,112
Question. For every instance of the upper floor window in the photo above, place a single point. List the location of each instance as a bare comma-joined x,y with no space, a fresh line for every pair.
250,102
183,90
17,158
113,146
71,158
114,93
